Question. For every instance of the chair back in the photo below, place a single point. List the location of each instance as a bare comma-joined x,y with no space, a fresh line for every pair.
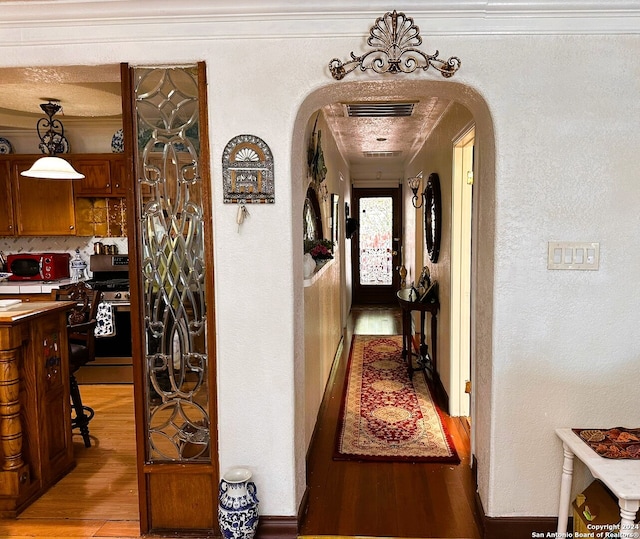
81,321
86,298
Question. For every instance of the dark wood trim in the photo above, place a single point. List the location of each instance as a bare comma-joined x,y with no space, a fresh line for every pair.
271,527
304,505
511,527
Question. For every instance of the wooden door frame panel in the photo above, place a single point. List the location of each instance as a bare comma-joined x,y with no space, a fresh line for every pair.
161,486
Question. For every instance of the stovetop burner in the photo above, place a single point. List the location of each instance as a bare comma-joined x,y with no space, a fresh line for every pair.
109,284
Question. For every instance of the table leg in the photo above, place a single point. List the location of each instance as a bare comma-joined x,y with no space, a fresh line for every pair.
406,336
628,510
565,489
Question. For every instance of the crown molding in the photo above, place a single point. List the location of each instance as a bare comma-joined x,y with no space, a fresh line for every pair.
33,22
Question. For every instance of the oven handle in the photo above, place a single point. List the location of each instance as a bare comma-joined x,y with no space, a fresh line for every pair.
121,307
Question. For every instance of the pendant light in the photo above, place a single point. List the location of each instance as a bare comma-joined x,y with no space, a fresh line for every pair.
52,142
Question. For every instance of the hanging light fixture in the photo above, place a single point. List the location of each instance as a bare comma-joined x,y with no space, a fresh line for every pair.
52,142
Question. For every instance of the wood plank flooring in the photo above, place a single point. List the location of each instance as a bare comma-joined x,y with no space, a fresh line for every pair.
349,498
99,498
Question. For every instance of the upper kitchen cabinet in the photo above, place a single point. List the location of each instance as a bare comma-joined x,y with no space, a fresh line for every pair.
7,224
39,207
104,175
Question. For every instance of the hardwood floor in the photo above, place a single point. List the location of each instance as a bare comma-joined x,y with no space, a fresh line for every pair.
351,498
99,498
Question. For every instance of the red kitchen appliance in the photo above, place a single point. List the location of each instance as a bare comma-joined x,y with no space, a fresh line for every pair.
38,266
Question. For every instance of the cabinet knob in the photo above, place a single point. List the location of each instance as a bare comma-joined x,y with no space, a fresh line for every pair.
108,185
71,227
10,227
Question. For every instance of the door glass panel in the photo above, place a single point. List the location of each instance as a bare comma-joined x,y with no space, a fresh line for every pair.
170,195
376,235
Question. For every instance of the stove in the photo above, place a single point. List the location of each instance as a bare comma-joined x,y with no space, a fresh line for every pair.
111,276
113,363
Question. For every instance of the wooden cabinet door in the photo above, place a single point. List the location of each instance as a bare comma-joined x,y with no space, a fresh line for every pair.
42,207
7,224
119,177
97,177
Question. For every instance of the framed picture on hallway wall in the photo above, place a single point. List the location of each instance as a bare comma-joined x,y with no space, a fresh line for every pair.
335,219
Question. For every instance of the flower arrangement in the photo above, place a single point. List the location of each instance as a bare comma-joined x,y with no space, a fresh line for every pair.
319,249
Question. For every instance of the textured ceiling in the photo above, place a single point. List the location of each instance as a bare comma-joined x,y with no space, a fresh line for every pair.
375,147
82,91
364,141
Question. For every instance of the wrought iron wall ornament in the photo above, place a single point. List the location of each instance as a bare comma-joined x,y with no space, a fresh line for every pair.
315,159
247,171
394,38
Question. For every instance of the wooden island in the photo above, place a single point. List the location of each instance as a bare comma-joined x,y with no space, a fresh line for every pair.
35,418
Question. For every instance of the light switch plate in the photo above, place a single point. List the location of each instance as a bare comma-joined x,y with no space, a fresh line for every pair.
573,255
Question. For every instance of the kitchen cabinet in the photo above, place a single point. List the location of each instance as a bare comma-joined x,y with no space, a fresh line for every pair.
105,175
7,224
41,207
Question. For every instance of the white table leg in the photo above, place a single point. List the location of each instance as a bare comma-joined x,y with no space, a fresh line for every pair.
565,489
628,510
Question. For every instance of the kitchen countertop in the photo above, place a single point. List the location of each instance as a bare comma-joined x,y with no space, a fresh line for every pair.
31,287
24,311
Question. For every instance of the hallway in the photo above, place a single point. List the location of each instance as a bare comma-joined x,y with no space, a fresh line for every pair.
384,499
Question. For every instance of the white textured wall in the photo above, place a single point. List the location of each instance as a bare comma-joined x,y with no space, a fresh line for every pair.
437,156
552,348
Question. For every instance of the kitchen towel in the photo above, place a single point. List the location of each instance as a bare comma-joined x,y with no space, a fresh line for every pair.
105,326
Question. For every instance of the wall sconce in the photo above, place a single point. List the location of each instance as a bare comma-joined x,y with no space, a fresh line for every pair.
414,184
52,142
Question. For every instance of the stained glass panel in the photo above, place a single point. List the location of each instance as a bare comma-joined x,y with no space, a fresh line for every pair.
376,234
173,264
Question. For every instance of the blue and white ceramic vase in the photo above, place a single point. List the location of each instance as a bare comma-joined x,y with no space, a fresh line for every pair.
237,505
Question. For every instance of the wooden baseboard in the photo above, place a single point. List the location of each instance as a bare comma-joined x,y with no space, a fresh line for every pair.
511,527
516,527
270,527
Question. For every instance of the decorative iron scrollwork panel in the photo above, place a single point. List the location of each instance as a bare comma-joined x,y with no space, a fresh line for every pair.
394,38
173,264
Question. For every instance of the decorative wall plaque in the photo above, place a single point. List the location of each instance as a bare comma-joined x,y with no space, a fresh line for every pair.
247,171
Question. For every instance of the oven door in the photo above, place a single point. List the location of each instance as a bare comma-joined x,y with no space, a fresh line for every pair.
113,364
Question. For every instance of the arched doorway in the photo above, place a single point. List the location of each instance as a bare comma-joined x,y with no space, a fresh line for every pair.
482,233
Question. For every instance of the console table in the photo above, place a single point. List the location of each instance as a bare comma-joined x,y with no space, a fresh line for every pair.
622,476
409,302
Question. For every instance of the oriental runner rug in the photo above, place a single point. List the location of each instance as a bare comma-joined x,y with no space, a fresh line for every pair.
386,416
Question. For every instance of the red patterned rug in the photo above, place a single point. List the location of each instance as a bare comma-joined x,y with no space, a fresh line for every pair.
385,415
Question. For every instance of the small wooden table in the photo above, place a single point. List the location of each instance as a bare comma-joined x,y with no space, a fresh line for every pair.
622,476
410,302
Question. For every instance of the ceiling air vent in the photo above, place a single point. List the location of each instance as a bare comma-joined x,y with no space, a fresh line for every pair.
389,109
394,153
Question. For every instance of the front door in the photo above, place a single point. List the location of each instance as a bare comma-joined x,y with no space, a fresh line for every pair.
376,245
